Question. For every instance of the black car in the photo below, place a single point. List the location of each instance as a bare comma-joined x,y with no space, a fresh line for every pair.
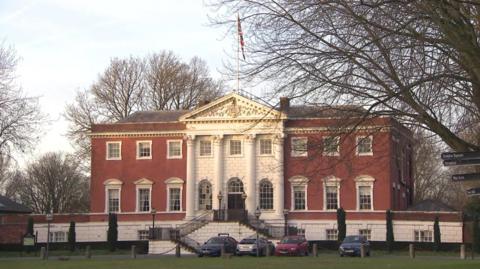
248,246
351,246
213,247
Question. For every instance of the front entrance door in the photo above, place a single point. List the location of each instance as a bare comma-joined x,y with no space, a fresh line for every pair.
235,201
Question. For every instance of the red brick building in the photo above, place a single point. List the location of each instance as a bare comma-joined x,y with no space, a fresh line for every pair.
296,164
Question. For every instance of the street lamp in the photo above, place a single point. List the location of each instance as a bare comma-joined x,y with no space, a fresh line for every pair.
220,197
285,214
257,216
153,211
49,219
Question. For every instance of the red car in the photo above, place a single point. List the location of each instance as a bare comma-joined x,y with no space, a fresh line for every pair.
292,245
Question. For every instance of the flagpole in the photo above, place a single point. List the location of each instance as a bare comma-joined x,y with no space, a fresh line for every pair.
238,55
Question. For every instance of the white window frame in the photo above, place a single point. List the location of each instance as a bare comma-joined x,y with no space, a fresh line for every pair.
141,235
364,181
333,153
421,239
113,184
138,149
331,182
369,237
298,181
273,194
296,153
107,151
200,148
168,198
181,149
174,183
143,184
260,147
230,147
197,206
336,234
358,139
54,236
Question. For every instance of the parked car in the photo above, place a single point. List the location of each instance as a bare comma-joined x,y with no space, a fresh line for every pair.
248,246
213,247
292,245
351,246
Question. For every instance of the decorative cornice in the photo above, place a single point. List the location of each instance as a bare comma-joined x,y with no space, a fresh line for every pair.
136,134
308,130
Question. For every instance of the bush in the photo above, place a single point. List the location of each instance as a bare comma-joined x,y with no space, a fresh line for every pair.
390,237
436,235
342,226
476,234
72,237
112,234
30,226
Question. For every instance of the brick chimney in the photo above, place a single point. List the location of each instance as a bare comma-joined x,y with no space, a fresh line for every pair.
284,104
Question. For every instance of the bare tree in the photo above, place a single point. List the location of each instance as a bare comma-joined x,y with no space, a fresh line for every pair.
415,60
173,84
432,180
20,116
158,82
52,183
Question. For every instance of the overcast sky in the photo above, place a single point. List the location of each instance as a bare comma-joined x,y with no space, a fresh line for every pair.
65,44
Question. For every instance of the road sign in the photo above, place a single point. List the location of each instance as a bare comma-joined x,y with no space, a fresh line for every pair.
474,191
452,162
465,177
461,155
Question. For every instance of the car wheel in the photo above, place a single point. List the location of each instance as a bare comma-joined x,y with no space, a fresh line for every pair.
200,255
341,255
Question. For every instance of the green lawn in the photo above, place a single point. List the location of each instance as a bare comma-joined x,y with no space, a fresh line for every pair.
323,261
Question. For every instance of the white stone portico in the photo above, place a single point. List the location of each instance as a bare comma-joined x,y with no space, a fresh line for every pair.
238,122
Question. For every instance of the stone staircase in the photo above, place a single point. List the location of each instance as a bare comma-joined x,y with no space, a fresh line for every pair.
193,234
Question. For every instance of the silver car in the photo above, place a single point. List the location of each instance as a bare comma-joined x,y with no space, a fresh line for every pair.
248,246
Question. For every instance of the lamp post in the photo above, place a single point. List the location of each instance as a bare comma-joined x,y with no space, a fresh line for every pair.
220,213
257,216
285,214
49,219
153,211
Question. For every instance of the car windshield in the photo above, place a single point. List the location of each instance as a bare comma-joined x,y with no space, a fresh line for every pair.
248,241
215,240
353,239
291,240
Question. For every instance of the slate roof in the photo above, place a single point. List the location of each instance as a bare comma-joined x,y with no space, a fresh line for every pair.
154,116
431,205
9,206
303,111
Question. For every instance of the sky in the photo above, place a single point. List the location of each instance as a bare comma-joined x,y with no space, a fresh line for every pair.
64,45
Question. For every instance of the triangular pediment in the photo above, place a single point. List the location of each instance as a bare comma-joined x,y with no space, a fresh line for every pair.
232,107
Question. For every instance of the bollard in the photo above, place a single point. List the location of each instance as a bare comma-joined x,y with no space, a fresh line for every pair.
411,249
315,250
362,250
462,251
222,251
42,253
177,251
88,252
134,252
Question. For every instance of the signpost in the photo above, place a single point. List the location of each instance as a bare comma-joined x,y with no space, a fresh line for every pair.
465,158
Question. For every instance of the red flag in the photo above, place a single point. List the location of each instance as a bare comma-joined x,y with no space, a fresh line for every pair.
240,35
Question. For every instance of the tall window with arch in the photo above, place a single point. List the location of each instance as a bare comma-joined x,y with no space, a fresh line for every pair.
205,195
266,195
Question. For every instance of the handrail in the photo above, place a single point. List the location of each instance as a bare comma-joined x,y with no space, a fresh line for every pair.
193,224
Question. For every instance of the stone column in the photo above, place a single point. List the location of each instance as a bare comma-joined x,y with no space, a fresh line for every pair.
190,199
218,170
251,175
278,195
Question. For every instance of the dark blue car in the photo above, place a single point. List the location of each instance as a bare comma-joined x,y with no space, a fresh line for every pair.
351,246
213,247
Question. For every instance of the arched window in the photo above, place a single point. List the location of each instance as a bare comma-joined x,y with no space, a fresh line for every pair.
266,194
235,185
205,195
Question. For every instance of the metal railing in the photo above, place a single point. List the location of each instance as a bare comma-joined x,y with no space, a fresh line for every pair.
194,224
